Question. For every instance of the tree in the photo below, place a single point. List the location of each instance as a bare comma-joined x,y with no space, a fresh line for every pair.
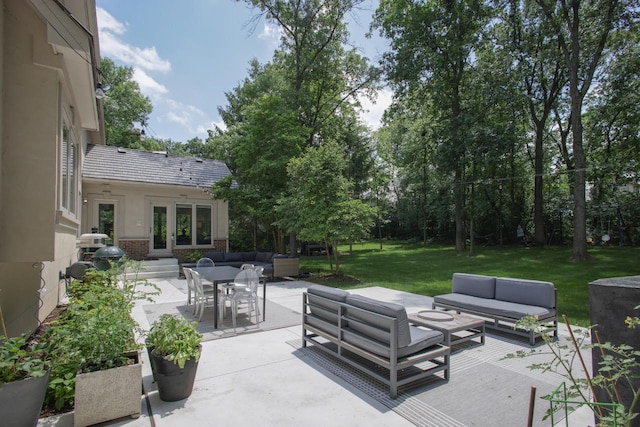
582,29
323,81
319,205
124,105
539,63
432,43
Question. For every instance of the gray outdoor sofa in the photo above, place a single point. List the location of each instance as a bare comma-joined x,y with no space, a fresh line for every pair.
503,301
372,336
275,265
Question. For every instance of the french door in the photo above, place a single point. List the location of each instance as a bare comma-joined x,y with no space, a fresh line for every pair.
160,241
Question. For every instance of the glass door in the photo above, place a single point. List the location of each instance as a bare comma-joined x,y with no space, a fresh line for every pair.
159,233
107,220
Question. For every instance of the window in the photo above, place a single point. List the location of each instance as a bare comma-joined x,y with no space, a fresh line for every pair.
183,224
69,168
190,218
203,225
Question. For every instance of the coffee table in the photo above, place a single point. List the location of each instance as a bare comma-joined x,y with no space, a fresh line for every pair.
451,324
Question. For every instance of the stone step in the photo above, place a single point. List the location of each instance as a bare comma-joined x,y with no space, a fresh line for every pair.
164,267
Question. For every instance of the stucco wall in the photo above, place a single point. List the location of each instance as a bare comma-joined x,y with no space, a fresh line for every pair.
134,201
37,241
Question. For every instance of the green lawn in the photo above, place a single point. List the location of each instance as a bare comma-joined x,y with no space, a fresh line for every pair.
428,270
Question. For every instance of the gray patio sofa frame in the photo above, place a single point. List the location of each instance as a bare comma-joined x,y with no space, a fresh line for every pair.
504,301
374,337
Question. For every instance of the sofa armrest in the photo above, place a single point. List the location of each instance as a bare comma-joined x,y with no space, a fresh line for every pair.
286,267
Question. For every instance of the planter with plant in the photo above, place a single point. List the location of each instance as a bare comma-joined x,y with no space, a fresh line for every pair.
174,347
95,357
24,376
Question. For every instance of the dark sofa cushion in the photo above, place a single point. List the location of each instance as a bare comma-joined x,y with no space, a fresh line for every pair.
249,256
373,326
214,256
264,256
233,257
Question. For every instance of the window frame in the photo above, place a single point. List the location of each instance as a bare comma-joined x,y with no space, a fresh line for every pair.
193,226
69,165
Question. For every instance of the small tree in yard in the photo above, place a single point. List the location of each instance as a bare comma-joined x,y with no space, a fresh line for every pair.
320,205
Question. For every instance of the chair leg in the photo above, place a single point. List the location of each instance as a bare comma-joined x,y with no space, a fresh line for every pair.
234,312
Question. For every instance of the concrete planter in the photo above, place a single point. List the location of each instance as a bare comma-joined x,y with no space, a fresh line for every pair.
21,401
107,395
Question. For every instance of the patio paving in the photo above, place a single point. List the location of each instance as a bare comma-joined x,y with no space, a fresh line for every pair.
266,378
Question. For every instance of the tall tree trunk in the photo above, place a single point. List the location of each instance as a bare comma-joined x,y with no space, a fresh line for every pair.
579,189
540,234
459,207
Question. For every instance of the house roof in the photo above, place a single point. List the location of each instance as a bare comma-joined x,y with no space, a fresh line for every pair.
124,164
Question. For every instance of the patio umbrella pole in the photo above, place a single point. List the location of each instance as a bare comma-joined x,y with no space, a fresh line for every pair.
532,404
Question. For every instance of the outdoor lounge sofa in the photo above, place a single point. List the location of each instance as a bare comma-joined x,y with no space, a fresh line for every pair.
503,301
372,336
275,265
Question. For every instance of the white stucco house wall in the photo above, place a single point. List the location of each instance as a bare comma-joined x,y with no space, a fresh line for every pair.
49,62
153,205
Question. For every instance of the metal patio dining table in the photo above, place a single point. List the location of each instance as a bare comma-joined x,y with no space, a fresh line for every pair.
226,274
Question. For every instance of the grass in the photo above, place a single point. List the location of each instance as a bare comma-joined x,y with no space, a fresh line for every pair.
427,270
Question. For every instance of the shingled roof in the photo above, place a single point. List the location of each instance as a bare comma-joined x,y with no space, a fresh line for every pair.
124,164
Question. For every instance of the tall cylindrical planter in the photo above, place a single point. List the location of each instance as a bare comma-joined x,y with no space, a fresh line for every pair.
21,401
174,383
611,301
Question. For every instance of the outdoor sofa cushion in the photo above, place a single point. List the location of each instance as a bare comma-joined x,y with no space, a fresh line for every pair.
370,332
494,307
324,314
474,284
521,291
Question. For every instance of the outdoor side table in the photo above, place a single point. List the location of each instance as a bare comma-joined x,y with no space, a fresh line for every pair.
451,324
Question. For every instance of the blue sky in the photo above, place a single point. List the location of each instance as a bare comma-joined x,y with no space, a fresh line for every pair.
187,54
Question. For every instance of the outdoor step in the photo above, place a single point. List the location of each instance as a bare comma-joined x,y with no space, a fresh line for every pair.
165,267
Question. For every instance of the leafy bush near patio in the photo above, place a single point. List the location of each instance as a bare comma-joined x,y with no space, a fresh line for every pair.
619,368
95,331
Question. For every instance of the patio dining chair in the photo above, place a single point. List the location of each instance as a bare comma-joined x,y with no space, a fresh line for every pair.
204,296
205,262
191,291
245,290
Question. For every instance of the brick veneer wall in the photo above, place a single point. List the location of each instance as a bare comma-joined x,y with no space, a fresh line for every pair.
138,249
134,248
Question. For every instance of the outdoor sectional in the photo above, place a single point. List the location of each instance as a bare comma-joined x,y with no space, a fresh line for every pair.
372,336
504,301
275,265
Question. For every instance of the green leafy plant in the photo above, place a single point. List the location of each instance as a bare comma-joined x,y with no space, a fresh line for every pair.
620,364
174,339
192,256
20,360
96,330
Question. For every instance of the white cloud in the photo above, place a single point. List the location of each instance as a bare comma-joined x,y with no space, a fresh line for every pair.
373,111
109,30
148,86
108,22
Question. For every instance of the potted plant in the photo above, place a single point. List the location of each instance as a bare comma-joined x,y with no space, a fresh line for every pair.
95,357
24,376
174,347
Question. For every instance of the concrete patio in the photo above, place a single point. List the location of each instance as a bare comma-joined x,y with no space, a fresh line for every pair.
266,378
